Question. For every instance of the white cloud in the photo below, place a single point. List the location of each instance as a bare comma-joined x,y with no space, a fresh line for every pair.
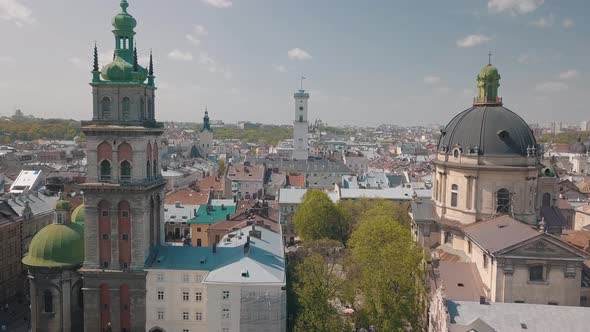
193,40
568,23
514,7
78,62
177,54
200,30
551,86
13,10
473,40
298,54
544,22
219,3
569,74
280,68
527,59
213,66
431,79
6,58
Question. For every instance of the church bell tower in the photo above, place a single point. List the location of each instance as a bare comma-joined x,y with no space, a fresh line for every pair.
124,188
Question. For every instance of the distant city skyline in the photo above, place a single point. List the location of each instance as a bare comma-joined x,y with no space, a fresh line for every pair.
386,62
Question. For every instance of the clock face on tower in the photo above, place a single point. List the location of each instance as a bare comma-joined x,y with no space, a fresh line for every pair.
301,108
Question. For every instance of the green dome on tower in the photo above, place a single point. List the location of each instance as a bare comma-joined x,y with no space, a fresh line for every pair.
63,204
124,21
79,215
57,246
489,71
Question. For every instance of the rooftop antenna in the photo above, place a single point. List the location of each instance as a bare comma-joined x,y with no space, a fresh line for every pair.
302,78
490,58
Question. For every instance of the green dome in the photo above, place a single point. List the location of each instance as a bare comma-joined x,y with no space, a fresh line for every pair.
57,246
62,204
489,71
79,215
124,21
122,71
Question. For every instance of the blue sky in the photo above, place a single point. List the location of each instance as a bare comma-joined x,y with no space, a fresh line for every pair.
367,61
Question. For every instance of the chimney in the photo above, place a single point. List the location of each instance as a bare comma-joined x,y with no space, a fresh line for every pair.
214,248
227,217
482,300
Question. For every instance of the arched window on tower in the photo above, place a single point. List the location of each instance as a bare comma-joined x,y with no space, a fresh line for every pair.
503,205
126,105
47,301
105,171
155,173
105,106
454,195
301,118
125,171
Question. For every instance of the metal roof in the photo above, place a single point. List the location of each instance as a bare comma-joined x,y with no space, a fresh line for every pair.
512,317
499,233
495,130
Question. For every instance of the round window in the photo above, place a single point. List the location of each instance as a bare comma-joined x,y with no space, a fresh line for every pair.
301,108
456,153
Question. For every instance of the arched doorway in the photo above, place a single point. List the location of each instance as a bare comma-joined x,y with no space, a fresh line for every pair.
157,329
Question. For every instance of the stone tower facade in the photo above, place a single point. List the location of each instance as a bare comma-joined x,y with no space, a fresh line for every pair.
206,136
300,126
124,188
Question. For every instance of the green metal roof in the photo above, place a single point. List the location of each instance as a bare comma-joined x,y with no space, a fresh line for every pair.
57,246
79,215
215,214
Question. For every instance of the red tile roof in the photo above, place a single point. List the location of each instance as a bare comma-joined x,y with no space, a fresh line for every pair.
188,197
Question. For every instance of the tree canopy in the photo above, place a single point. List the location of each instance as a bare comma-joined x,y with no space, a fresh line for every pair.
379,273
317,218
29,129
386,267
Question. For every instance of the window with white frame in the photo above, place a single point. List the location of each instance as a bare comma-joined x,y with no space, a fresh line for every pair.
160,295
160,278
198,316
225,313
198,278
198,296
185,315
185,296
185,278
225,295
160,315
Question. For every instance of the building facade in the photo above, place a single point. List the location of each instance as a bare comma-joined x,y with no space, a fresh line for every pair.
124,187
493,208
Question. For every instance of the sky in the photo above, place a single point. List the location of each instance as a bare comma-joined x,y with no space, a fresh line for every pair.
366,62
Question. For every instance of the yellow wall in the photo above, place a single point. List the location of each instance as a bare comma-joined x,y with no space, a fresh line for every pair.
195,234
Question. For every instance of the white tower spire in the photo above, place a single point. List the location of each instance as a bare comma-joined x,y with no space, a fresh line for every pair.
300,125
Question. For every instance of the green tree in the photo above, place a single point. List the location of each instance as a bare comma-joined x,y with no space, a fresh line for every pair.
318,282
317,217
385,267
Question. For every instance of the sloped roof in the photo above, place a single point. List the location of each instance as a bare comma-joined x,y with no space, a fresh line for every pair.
510,317
499,233
187,197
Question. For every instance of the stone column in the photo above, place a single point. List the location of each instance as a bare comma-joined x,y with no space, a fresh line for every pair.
91,237
66,301
114,235
474,194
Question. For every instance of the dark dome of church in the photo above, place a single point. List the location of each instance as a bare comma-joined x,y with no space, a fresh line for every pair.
578,147
491,129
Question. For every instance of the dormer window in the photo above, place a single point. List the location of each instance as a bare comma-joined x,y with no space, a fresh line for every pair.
59,219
